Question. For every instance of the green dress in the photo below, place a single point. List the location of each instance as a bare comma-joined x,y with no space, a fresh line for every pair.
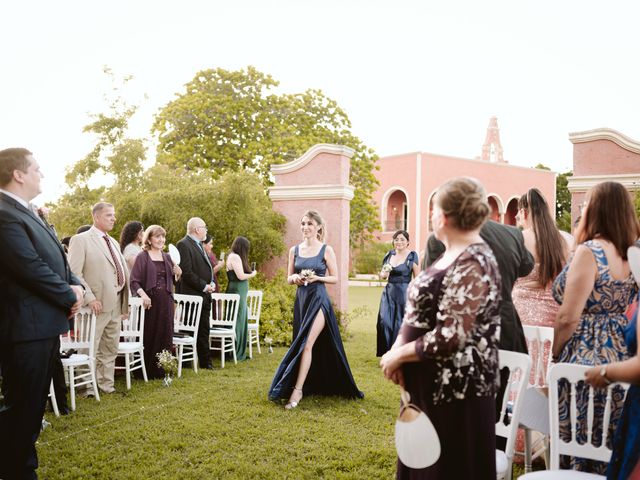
241,287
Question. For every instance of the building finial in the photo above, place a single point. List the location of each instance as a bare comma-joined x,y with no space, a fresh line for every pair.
492,149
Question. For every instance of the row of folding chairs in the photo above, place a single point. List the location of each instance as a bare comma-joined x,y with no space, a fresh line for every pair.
222,325
80,366
524,406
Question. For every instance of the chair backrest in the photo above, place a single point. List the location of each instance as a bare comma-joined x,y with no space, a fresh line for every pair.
132,329
187,314
82,334
225,306
254,306
574,375
519,365
539,343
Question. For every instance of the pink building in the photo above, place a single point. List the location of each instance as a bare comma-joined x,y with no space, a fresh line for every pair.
602,155
409,181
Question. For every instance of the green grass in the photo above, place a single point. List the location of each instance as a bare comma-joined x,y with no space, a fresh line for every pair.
219,424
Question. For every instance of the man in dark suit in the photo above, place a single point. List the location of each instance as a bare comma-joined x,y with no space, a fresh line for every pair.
38,293
197,279
514,261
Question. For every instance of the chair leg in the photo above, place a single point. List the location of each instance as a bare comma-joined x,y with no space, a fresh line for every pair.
72,388
96,392
54,401
250,345
258,341
233,347
144,369
127,368
194,357
179,361
223,349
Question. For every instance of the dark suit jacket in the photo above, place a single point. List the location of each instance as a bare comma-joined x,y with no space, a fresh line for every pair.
514,261
35,278
196,269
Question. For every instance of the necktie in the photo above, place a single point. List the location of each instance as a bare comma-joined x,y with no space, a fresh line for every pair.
119,272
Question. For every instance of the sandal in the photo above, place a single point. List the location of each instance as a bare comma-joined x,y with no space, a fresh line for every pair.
292,404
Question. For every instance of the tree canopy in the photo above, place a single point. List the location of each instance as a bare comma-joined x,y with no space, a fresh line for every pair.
233,120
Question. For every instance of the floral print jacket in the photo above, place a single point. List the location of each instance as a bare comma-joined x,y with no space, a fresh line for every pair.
458,309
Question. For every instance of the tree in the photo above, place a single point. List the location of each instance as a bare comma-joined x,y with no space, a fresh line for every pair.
231,121
114,156
563,202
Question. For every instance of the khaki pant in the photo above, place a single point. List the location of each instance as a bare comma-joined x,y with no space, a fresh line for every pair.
106,348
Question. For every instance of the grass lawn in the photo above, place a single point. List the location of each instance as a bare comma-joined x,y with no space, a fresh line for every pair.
219,424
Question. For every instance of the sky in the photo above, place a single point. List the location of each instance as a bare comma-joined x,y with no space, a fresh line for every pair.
412,75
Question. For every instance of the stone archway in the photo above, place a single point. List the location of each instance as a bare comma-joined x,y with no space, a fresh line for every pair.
395,210
511,212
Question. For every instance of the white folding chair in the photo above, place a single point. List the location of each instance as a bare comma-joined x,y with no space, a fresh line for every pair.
81,367
185,326
574,374
131,344
519,365
535,411
223,327
254,306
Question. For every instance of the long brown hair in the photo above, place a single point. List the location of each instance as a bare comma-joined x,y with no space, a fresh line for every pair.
551,248
241,246
610,215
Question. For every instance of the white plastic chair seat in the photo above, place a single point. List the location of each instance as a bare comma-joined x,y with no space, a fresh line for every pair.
75,359
128,347
227,332
183,340
560,475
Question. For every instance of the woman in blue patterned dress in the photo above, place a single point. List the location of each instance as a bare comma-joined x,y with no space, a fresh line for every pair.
446,355
595,289
403,263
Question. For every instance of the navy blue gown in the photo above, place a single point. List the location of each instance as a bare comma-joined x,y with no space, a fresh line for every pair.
626,443
394,298
329,373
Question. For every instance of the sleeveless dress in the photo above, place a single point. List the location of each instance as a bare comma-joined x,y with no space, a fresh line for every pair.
241,287
394,298
329,373
158,322
536,306
599,339
626,443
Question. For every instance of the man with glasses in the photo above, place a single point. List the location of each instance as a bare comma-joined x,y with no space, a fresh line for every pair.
197,279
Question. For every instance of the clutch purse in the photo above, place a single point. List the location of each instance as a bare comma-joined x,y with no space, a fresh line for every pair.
417,441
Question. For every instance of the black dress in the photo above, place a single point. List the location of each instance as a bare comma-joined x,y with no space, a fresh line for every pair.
329,373
394,298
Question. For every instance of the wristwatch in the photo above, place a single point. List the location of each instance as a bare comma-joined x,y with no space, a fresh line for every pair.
603,374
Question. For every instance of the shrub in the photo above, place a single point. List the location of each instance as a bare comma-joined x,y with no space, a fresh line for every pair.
276,317
369,258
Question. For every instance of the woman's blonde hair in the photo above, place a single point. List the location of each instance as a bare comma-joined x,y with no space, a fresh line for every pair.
463,201
152,230
322,228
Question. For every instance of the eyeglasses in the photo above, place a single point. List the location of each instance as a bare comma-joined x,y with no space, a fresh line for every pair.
202,228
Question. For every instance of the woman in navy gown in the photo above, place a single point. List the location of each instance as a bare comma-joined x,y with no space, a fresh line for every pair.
315,363
402,263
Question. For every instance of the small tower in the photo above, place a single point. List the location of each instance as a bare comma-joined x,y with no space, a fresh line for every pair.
492,149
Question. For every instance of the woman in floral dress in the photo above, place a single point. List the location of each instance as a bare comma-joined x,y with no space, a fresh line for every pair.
446,355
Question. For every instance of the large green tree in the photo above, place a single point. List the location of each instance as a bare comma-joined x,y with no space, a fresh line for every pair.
233,120
563,201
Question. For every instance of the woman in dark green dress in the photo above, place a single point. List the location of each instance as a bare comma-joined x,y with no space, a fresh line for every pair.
239,273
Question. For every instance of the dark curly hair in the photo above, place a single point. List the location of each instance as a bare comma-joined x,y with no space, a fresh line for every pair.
129,233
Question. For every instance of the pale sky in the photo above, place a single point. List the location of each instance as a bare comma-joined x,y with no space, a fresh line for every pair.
412,75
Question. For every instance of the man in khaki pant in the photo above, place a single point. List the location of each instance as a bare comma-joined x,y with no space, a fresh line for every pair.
96,259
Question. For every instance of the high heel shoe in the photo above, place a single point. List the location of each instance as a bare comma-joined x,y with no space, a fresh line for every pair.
293,404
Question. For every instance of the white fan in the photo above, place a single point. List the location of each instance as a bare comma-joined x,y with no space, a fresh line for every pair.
633,254
174,254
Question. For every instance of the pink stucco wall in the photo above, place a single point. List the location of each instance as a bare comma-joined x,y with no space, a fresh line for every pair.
502,181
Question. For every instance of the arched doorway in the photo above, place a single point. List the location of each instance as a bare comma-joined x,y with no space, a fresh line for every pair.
495,209
511,212
395,214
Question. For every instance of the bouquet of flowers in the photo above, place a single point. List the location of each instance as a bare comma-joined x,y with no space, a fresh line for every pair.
386,268
306,274
169,364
